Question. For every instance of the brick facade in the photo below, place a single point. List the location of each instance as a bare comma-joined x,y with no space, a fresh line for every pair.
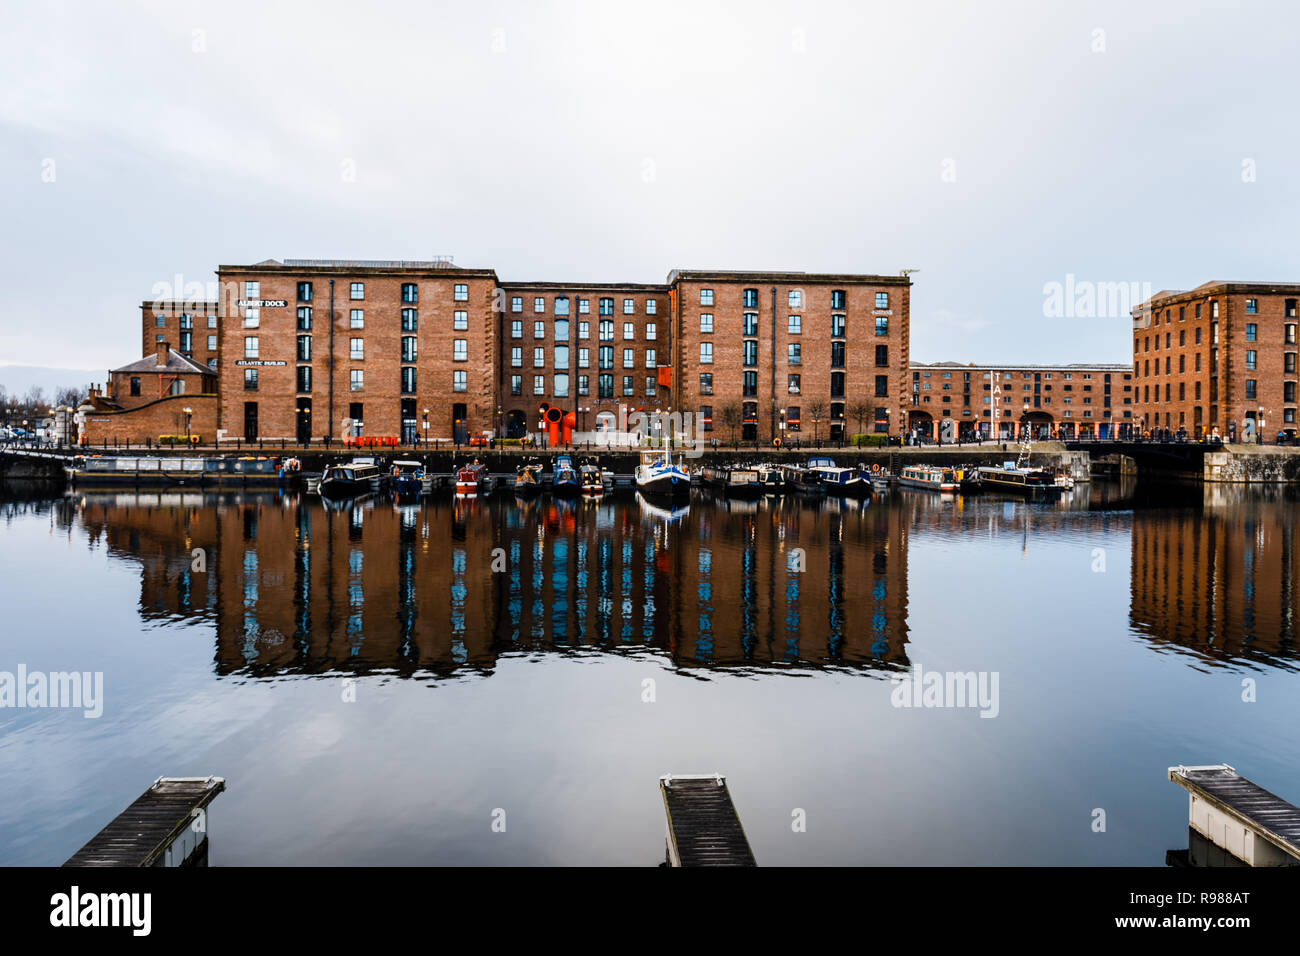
1057,401
1207,360
431,318
595,344
796,353
189,327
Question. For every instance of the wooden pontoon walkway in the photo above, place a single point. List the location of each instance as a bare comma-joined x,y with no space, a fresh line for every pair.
1255,826
162,819
703,826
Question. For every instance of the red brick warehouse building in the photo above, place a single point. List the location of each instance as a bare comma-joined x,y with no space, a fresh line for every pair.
1209,360
311,348
316,348
790,354
586,348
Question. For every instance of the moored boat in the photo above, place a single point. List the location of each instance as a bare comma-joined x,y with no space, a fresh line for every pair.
838,481
801,481
360,476
657,475
528,479
1025,481
770,479
592,480
407,478
929,478
473,479
564,477
734,480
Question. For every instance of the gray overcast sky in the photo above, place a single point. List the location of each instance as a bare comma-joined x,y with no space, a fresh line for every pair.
995,146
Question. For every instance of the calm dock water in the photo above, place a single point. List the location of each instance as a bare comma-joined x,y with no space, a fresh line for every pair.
496,682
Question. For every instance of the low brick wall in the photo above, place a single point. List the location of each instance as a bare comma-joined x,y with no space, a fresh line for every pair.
165,416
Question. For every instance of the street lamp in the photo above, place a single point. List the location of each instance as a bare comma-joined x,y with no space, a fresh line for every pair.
189,415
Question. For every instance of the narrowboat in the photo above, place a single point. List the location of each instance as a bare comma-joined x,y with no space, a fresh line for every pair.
929,478
802,481
838,481
1036,484
130,471
407,478
592,480
473,479
770,479
732,480
360,476
564,478
528,479
657,475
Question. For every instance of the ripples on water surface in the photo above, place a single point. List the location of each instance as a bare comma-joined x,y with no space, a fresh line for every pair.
1121,626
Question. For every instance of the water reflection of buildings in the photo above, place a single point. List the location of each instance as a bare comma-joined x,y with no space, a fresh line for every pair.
1218,578
451,586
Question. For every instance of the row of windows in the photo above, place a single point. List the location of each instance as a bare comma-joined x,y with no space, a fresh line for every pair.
357,291
793,354
186,321
604,385
561,304
357,348
561,330
1252,391
794,298
605,356
793,324
357,379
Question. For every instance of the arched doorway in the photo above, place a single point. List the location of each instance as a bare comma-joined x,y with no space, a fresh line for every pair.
920,422
1039,425
516,423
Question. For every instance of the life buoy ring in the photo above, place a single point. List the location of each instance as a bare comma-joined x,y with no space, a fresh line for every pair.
876,468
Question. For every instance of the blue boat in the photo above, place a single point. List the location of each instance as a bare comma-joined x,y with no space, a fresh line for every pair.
839,481
565,481
408,478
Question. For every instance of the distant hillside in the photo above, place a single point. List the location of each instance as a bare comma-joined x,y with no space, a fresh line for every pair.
17,379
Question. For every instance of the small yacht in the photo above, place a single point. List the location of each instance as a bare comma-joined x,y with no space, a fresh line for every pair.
657,475
929,478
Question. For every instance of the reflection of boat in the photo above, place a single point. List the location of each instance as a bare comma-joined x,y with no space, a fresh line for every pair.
360,476
528,479
657,475
929,478
731,479
564,477
591,479
662,509
473,479
838,481
408,478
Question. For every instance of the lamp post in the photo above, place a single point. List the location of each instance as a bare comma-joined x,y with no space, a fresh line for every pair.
1259,416
189,416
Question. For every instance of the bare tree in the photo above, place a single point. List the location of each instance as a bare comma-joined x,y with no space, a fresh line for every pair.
731,417
860,411
816,409
69,396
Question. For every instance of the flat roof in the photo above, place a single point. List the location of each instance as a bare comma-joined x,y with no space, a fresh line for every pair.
723,275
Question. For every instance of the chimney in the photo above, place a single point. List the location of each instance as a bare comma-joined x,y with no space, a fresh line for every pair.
164,353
